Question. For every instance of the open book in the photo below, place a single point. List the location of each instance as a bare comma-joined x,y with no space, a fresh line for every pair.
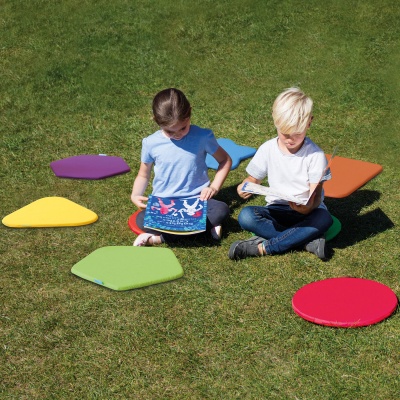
180,216
255,188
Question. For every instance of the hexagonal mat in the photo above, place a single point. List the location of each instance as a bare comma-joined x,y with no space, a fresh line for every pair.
89,166
128,267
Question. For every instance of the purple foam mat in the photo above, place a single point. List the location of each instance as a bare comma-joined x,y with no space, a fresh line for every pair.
89,166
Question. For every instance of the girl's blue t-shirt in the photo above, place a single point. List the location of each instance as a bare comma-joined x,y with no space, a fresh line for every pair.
180,168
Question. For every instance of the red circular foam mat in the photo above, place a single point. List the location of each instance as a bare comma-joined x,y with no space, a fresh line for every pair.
132,223
344,302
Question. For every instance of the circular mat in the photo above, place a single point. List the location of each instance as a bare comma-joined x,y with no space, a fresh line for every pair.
334,229
132,223
344,302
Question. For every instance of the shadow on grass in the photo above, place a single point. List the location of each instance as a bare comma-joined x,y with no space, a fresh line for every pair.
230,196
357,226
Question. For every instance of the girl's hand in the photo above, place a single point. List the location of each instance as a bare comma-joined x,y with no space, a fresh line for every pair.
138,201
208,193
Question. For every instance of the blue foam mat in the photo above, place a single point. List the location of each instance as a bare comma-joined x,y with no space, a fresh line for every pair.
236,152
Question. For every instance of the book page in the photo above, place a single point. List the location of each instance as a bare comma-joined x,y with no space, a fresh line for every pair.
255,188
326,169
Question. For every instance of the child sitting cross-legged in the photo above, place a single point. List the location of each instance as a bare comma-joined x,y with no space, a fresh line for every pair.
293,165
177,153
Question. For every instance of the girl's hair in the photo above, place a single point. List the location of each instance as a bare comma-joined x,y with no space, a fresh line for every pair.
292,111
170,106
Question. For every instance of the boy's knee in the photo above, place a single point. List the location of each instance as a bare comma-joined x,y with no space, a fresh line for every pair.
325,219
329,222
245,217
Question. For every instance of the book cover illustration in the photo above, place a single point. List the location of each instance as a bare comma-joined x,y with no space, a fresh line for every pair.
182,216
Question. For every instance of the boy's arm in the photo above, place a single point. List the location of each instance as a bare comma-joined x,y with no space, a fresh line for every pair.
224,166
313,203
246,195
140,185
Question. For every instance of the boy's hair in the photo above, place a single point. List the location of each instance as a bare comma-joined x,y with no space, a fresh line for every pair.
170,106
292,111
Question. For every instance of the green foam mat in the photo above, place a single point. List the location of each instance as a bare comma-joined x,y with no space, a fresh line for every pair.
334,229
128,267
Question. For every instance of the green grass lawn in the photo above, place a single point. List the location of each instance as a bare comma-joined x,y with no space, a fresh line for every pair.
78,77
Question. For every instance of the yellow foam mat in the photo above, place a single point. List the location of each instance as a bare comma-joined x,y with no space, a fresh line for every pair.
50,212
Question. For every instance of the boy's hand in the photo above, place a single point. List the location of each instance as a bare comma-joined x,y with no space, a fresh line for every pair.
301,208
246,195
138,201
243,195
305,208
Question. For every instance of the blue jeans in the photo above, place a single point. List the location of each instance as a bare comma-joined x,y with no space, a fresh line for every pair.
283,227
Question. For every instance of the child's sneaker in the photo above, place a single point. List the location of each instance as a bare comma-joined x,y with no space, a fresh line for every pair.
317,247
245,248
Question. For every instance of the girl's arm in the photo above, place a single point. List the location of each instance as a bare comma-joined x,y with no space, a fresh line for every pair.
140,185
224,166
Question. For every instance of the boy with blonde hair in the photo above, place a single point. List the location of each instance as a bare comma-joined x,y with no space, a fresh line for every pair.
294,165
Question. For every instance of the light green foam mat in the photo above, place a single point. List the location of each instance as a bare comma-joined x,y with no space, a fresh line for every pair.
128,267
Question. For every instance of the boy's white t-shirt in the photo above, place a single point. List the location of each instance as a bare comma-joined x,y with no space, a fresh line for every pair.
289,173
